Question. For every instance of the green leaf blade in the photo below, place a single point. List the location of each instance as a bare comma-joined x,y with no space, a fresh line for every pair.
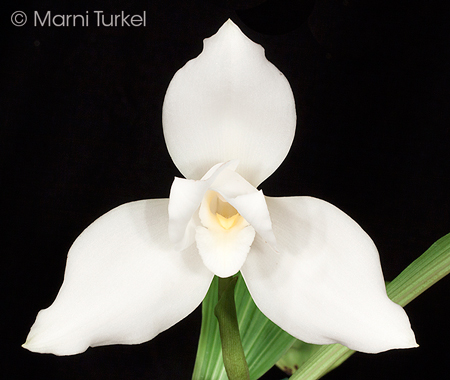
421,274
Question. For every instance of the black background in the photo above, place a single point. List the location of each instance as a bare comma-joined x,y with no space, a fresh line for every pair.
81,133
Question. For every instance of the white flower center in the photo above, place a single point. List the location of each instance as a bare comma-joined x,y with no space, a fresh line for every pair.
231,212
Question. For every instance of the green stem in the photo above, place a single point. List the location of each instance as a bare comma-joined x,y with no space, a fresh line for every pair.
232,351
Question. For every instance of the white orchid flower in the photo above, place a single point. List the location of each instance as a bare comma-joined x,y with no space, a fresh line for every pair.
145,265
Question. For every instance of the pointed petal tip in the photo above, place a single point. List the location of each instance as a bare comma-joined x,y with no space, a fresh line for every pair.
31,346
45,338
32,343
229,24
411,342
401,346
233,39
230,27
28,345
402,343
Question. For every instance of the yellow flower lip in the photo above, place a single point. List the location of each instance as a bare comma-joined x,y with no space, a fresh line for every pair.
227,223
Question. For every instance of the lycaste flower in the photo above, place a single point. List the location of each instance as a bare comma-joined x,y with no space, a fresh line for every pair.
145,265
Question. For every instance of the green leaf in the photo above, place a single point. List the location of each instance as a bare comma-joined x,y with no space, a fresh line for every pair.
296,356
263,341
428,269
209,362
422,273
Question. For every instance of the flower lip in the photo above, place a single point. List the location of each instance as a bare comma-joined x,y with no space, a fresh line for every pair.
224,237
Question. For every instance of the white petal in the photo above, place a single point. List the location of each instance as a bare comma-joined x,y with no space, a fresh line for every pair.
229,103
123,284
185,198
326,285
